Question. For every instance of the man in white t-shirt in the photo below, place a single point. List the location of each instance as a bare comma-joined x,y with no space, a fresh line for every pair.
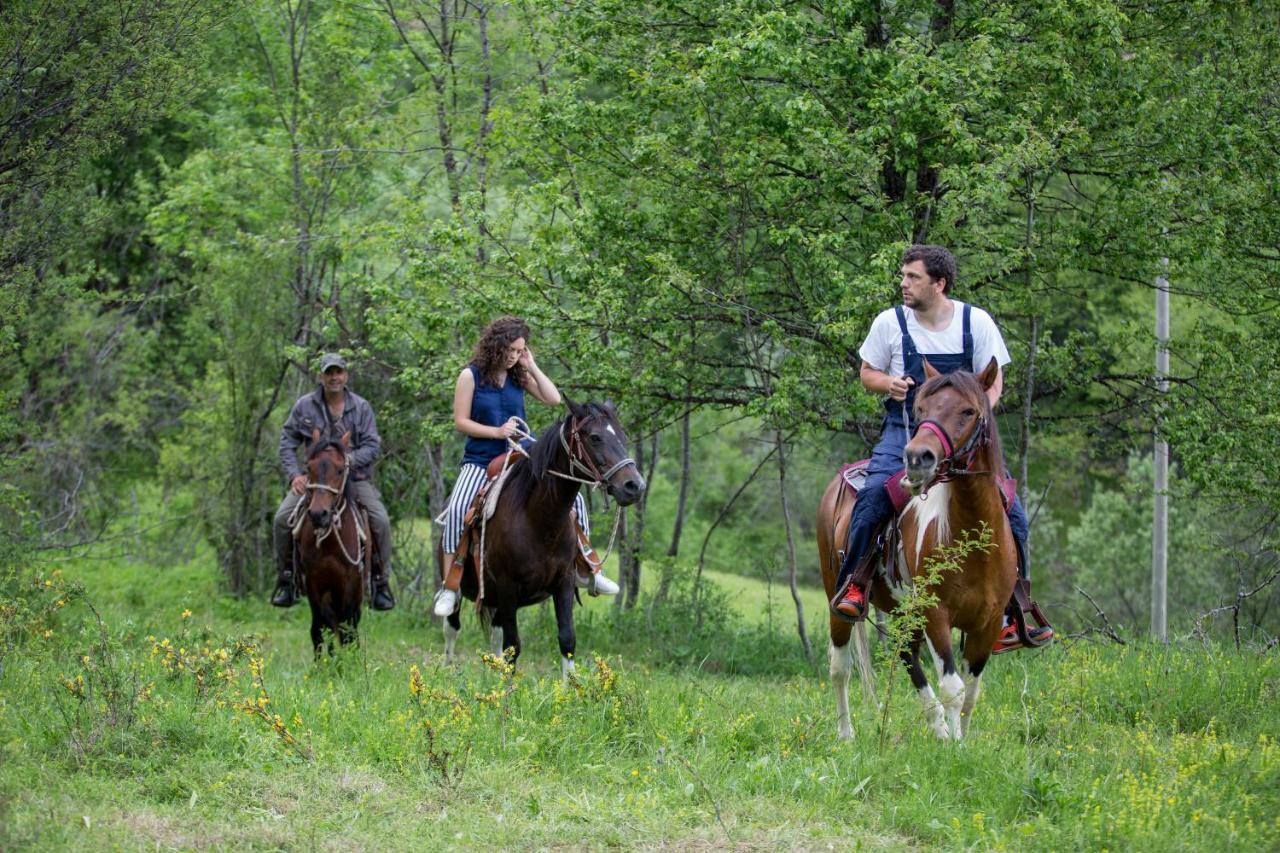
952,336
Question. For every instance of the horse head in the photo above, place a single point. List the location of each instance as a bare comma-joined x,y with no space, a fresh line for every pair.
953,424
597,447
327,469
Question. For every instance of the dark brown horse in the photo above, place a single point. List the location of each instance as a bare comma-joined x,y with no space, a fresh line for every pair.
951,466
529,543
334,545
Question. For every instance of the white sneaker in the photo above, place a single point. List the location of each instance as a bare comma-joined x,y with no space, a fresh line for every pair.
597,584
446,602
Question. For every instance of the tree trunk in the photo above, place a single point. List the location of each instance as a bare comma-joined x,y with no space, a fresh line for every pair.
791,548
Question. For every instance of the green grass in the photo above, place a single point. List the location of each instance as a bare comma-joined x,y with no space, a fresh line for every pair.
719,736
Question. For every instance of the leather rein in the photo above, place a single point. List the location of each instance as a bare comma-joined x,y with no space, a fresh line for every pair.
580,459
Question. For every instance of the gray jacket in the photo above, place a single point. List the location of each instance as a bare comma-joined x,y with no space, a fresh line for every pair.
310,413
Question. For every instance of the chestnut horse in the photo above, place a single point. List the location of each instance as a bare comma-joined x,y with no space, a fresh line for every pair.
530,543
335,552
951,466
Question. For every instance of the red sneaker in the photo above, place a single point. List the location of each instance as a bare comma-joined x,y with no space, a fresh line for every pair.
852,605
1009,639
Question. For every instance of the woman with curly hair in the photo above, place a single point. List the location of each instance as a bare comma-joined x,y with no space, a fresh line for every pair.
488,408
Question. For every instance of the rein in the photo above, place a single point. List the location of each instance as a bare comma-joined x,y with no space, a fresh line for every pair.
299,513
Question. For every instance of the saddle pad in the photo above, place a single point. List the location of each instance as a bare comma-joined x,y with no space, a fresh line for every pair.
854,474
493,491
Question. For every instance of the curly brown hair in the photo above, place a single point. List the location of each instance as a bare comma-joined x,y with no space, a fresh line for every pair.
490,356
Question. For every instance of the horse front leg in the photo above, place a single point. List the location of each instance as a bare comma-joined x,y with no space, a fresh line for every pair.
317,631
932,707
977,651
937,631
505,622
564,625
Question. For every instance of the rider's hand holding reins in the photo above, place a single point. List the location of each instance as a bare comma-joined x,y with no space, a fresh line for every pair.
298,484
898,387
510,429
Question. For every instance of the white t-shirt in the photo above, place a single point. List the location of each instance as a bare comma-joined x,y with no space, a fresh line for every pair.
883,347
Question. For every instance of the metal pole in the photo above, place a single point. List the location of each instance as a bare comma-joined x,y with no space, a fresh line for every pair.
1160,524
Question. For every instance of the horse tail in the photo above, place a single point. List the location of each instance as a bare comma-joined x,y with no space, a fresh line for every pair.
862,657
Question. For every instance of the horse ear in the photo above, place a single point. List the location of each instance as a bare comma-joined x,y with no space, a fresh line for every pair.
346,440
929,372
988,377
574,409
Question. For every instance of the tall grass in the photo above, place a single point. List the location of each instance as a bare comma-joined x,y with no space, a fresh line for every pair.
670,736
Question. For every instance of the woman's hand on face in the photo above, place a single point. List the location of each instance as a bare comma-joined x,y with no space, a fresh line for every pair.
526,359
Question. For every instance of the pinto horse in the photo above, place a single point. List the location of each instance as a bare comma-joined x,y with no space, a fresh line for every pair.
530,543
952,463
335,551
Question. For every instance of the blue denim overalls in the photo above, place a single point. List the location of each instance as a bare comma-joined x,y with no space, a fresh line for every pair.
873,506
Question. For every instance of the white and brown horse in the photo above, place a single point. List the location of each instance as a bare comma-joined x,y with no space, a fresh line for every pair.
953,466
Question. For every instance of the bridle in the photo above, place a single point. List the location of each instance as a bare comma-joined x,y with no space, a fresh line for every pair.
580,458
955,462
342,505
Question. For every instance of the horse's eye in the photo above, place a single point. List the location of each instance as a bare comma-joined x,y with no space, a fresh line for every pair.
969,413
595,438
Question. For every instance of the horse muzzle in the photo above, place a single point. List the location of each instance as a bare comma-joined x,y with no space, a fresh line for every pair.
627,486
922,467
319,518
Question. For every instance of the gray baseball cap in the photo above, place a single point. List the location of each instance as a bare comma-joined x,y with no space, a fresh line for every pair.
332,359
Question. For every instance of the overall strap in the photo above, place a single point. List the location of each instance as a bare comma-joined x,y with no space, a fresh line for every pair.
968,338
908,345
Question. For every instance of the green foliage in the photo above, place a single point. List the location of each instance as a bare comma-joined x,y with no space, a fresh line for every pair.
1080,746
1216,550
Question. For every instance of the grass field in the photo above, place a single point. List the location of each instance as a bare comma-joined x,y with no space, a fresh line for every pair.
158,728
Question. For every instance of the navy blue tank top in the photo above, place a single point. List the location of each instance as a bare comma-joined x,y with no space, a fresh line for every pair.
491,406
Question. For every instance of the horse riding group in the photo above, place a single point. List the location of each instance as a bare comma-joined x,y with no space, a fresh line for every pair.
516,531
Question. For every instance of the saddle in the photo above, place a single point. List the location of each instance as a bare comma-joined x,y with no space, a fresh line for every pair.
486,501
1021,605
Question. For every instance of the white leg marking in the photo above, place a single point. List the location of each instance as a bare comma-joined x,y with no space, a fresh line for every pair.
933,712
450,638
972,687
937,661
841,667
495,641
567,669
952,689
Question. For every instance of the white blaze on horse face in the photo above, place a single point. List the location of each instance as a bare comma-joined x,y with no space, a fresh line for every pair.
932,510
609,428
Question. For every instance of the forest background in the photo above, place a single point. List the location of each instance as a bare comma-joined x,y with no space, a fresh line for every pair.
699,207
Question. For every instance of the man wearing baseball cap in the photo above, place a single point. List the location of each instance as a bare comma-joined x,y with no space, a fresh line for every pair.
334,409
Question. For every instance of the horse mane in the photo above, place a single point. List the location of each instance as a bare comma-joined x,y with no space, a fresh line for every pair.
324,444
968,386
